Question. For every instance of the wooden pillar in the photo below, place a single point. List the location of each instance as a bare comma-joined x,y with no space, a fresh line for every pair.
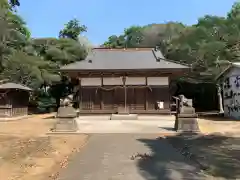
146,95
92,98
101,94
125,92
170,94
134,99
80,94
113,99
146,99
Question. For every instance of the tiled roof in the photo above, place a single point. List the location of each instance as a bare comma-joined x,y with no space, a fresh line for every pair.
14,86
230,66
124,59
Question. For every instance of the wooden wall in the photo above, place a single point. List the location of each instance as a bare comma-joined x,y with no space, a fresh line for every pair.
14,103
100,93
139,100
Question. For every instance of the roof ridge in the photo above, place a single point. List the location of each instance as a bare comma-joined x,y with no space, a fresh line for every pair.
15,85
3,81
169,60
177,62
118,49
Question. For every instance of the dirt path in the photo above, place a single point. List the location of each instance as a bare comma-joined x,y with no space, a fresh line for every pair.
27,153
219,125
109,156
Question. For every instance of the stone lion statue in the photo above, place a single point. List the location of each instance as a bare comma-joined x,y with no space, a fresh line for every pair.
67,101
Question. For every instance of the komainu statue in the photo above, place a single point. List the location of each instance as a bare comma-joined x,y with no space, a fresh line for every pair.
185,105
66,116
67,101
186,118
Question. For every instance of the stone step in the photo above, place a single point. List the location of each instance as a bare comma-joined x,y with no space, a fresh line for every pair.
183,115
124,117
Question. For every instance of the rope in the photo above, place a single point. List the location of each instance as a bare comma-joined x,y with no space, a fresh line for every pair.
141,87
115,87
107,89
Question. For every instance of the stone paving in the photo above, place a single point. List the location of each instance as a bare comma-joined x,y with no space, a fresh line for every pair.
125,126
108,157
145,124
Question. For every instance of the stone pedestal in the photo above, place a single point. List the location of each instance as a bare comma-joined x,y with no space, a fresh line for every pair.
66,120
122,110
186,123
186,118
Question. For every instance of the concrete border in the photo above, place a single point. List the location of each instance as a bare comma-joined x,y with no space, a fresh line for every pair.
141,117
66,132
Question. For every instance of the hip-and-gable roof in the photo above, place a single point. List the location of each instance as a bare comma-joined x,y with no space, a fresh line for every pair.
124,59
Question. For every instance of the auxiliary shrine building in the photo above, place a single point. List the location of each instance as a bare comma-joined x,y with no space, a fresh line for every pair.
124,81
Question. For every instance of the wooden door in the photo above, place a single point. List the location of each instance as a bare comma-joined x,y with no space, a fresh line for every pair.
140,99
107,98
158,95
119,98
86,99
130,99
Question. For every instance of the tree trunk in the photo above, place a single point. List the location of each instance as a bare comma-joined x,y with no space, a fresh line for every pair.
220,100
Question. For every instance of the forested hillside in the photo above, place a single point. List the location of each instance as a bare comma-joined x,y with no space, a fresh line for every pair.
207,47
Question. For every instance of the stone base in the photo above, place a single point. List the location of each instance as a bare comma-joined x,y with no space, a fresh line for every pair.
122,111
66,112
188,110
186,125
124,117
65,125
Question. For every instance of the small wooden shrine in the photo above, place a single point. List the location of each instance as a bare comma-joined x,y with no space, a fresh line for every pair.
14,99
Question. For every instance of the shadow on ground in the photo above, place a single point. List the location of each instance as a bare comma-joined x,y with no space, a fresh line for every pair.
215,155
165,163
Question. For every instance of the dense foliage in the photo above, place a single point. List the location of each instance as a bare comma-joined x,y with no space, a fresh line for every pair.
35,62
207,46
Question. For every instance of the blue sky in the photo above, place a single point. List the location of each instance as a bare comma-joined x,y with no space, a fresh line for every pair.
107,17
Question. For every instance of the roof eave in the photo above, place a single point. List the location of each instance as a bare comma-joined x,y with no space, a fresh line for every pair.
122,70
223,73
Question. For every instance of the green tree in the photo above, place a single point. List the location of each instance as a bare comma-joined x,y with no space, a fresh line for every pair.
14,3
72,30
212,39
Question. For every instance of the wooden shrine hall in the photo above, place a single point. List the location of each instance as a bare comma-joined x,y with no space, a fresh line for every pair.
124,81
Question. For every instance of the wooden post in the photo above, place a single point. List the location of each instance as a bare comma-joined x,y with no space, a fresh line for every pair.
80,94
101,94
146,95
134,98
125,92
146,99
